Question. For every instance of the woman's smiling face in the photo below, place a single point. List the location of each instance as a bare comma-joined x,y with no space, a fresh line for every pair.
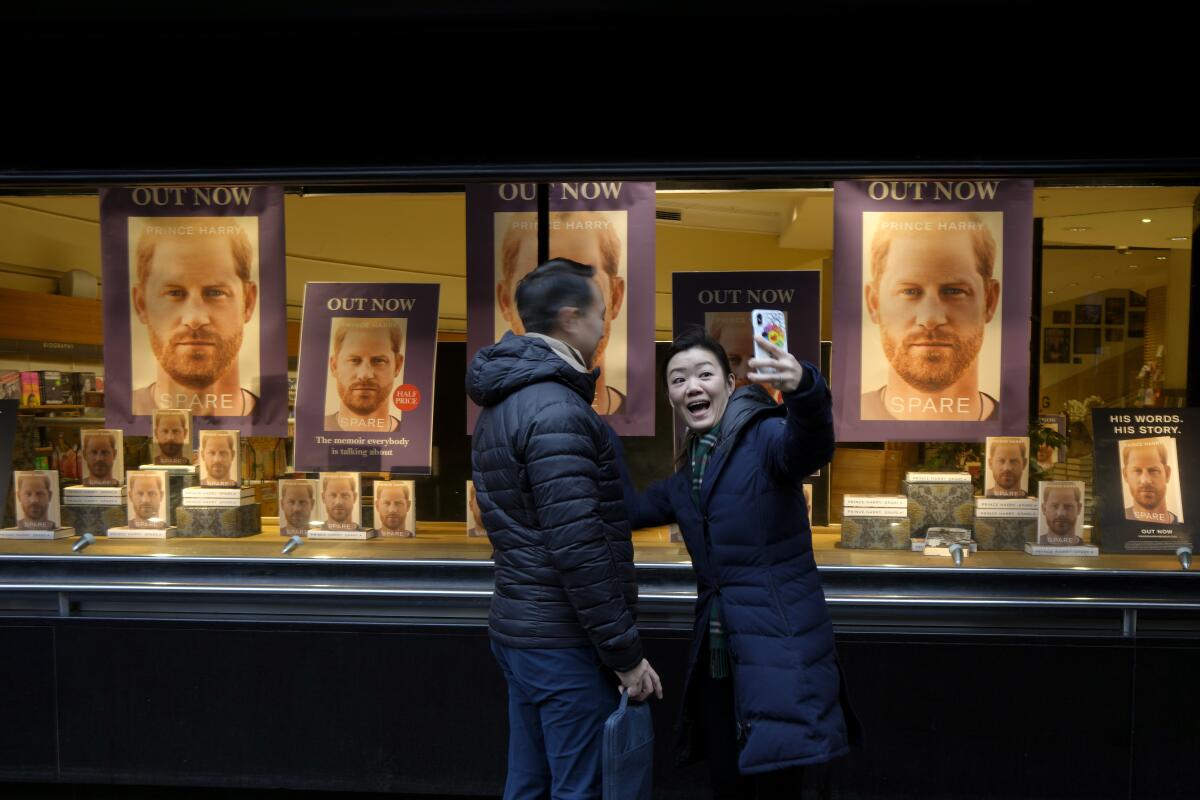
697,388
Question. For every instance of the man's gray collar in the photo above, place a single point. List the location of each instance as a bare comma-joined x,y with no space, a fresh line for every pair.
563,350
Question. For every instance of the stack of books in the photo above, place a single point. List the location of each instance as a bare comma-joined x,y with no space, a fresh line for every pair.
939,499
226,513
94,509
1005,523
875,521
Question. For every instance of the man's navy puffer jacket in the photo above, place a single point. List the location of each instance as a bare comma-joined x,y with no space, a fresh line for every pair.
552,502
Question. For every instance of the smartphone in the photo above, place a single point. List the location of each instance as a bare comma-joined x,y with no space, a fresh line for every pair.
769,324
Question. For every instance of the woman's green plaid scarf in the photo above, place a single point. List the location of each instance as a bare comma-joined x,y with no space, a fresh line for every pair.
701,451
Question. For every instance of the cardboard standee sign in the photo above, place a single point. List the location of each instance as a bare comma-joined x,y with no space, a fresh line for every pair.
365,394
1143,456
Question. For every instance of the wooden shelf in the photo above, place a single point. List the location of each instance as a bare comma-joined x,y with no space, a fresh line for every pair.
70,422
31,316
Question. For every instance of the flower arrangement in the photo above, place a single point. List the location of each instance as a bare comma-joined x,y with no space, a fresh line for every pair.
1078,411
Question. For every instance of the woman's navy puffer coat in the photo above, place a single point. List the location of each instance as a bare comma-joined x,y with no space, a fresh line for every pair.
751,547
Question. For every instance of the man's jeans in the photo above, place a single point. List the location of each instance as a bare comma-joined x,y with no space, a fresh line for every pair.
558,700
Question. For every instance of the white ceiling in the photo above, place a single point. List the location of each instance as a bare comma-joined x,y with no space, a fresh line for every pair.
1112,216
42,236
1076,262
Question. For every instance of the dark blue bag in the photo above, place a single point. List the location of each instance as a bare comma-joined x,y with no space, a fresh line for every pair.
628,752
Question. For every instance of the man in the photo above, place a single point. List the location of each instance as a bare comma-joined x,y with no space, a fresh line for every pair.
1060,513
562,615
367,357
194,294
1146,472
145,500
931,293
296,499
1007,461
584,236
100,450
34,495
172,438
475,523
392,502
339,496
218,453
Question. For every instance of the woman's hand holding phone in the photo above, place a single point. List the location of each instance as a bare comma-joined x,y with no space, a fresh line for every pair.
788,372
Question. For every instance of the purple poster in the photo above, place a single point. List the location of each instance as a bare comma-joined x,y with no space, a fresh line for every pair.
608,225
194,313
722,301
1142,457
931,309
364,395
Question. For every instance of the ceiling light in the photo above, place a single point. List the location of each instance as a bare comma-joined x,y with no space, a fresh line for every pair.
1078,229
1147,219
1160,258
1133,266
1049,291
1179,238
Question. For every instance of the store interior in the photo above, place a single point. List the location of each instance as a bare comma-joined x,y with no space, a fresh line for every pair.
1100,243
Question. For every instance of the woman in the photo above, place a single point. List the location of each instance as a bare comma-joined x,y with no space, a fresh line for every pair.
763,696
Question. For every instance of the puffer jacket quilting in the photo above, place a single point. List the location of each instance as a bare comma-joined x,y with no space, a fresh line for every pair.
751,548
550,493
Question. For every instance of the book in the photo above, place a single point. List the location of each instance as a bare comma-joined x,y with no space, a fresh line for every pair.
18,533
918,546
214,493
874,501
211,497
82,383
55,388
225,523
321,533
93,500
94,519
10,385
1005,533
31,390
1007,508
938,541
141,533
894,512
113,492
217,502
174,469
1061,550
933,505
875,533
938,477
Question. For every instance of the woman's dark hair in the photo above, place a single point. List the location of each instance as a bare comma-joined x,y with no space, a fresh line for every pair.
552,286
695,336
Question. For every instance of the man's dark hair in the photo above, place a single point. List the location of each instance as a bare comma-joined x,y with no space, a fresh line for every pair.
559,283
696,336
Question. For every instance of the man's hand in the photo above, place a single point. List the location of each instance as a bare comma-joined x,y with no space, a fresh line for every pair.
641,681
